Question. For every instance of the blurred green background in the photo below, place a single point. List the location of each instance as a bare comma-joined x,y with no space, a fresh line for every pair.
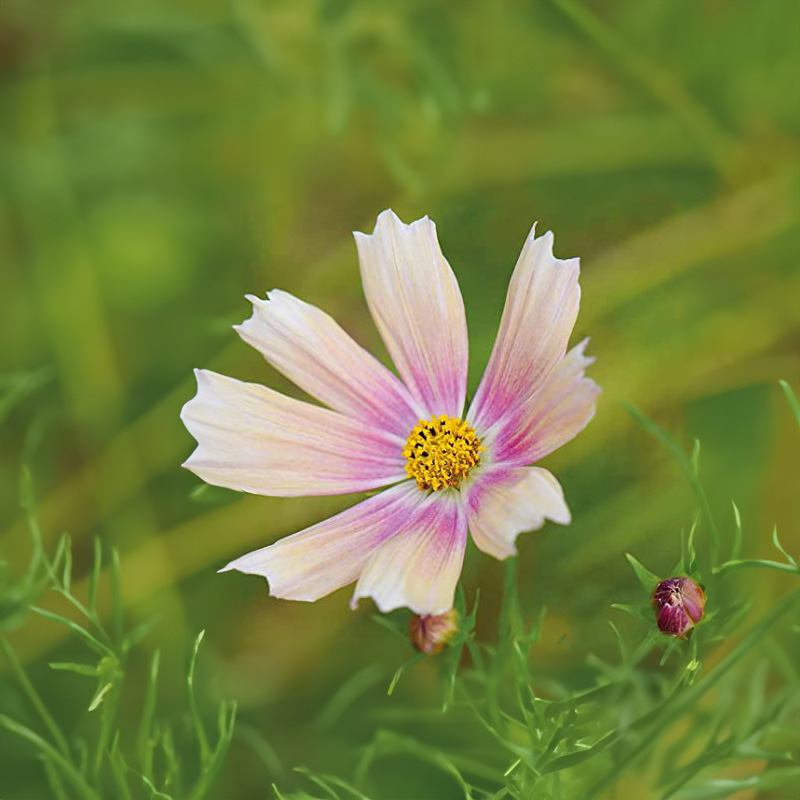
161,159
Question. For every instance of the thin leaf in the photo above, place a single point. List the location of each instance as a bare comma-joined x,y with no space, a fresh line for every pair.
94,578
133,637
116,599
641,612
695,459
75,628
66,576
402,668
749,563
54,779
777,544
80,669
737,538
324,781
649,580
265,752
791,399
118,770
145,740
99,695
205,750
154,793
33,697
69,772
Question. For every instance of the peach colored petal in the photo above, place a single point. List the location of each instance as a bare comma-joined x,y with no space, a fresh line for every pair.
320,559
312,350
253,439
503,502
415,301
418,567
540,311
561,408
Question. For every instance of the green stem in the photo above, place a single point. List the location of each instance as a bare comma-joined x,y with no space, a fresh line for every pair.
36,701
728,566
58,760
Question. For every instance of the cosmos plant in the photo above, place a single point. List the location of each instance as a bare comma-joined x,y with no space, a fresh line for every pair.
449,470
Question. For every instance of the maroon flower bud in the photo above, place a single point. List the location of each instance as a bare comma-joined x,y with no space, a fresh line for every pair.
678,603
430,633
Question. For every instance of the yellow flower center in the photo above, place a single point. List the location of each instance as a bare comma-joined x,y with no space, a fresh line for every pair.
440,452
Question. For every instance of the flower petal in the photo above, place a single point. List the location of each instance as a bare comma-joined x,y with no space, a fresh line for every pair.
540,311
415,301
556,413
320,559
419,567
505,501
254,439
312,350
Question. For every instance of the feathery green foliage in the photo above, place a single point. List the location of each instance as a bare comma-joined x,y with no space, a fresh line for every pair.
101,765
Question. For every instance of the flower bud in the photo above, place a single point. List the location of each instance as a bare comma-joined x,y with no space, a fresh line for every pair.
430,633
678,603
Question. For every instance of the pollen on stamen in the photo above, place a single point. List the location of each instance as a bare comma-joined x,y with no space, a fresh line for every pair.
440,452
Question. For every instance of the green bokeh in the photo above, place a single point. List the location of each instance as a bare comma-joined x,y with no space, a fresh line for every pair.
158,160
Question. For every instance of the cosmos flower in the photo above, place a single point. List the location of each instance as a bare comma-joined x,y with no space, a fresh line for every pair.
430,634
678,604
448,471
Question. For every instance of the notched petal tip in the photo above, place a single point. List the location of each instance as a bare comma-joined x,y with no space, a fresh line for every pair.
388,222
579,351
506,502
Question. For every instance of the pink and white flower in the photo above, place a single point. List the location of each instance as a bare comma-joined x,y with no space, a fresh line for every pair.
448,472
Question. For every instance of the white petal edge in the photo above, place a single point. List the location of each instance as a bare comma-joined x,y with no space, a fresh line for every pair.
414,298
419,567
321,559
540,311
503,502
311,349
253,439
